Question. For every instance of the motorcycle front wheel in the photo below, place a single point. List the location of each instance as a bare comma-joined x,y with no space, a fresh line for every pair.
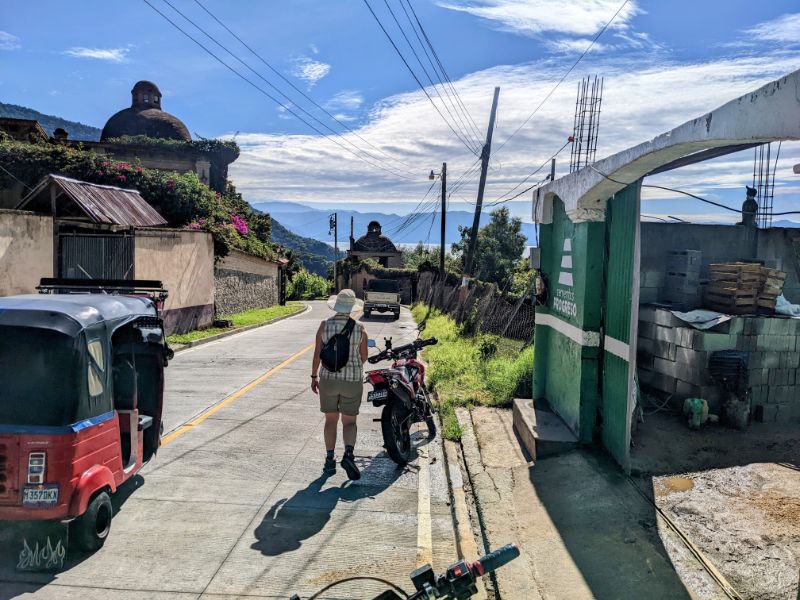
395,426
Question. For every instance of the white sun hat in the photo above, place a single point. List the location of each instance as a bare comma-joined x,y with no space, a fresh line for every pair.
345,302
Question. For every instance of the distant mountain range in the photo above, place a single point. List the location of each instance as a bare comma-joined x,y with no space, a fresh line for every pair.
313,223
316,255
76,131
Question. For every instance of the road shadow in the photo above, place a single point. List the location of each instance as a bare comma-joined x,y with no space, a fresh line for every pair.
15,583
609,530
289,522
664,445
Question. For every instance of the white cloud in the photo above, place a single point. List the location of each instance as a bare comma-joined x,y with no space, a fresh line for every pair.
9,41
344,117
314,49
540,16
785,29
643,97
310,70
574,46
116,55
345,100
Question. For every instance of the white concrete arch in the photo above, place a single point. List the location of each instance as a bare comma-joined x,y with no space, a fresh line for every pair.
768,114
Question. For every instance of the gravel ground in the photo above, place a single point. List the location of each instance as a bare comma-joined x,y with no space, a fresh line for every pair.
746,520
735,494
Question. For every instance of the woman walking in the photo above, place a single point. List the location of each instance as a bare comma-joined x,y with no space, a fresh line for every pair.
337,375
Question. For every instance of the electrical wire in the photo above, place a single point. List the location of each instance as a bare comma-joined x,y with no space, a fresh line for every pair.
463,127
281,93
563,77
414,75
15,177
295,88
441,72
501,200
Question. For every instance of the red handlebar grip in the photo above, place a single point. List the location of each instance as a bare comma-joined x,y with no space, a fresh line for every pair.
495,560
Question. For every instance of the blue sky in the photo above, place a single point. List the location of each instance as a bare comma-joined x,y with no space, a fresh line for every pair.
663,62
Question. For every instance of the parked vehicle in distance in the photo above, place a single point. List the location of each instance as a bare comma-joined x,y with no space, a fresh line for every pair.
382,295
401,391
81,401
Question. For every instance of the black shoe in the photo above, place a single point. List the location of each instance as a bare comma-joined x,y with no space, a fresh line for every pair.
349,465
330,466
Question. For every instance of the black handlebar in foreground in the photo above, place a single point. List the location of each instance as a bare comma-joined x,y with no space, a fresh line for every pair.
496,559
400,350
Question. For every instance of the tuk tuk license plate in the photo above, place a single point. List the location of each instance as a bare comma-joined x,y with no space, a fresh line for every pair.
377,395
40,495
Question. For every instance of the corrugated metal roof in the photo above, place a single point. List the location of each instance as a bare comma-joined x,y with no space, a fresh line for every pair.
103,203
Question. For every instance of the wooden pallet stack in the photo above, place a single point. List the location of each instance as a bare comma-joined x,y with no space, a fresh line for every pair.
743,288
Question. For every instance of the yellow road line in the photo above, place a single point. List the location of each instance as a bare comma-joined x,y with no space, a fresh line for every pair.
237,394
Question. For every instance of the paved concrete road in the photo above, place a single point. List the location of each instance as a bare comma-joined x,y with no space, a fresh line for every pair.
234,505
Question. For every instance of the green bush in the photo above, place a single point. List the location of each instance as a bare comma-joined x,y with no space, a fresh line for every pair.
467,370
307,286
181,198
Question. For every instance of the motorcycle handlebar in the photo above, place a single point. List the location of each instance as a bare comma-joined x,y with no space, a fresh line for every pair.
496,559
396,352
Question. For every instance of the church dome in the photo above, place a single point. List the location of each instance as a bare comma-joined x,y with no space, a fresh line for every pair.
145,117
374,241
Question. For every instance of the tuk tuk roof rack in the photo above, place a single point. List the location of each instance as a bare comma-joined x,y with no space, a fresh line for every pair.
57,285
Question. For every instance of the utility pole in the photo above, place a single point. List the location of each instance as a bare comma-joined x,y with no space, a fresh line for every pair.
444,213
487,148
333,227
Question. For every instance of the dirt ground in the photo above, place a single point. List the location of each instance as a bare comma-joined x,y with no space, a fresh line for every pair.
735,494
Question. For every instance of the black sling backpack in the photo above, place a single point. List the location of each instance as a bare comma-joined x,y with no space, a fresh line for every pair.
336,351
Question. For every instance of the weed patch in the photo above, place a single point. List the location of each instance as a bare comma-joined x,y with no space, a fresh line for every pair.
254,316
465,370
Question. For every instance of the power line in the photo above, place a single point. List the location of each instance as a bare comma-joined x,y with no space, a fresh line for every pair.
441,66
560,81
695,196
542,166
15,177
414,75
456,118
295,88
459,103
277,90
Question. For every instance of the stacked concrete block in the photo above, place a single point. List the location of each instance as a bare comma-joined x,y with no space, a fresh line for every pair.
672,357
682,284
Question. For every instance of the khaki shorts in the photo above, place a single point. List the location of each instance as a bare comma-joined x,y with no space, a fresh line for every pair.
340,396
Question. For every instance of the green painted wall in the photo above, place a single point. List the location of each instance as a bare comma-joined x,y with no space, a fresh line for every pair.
622,223
566,372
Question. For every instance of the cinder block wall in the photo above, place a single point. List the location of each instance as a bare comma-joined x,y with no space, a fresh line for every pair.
243,282
26,251
777,247
672,357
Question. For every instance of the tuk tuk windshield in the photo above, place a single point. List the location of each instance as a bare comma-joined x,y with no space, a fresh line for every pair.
39,373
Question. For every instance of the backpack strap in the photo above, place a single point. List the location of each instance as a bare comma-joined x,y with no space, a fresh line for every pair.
348,328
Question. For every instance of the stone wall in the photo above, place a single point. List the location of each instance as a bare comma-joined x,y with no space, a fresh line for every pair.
26,251
243,282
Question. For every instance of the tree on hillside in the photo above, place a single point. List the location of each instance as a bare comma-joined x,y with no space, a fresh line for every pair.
499,248
425,256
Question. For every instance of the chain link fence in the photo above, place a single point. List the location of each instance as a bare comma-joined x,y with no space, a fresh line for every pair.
479,308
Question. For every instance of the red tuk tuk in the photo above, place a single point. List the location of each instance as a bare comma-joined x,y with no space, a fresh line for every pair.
80,402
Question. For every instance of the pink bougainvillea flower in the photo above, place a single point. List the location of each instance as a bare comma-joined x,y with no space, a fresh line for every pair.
122,178
218,195
202,221
239,224
193,226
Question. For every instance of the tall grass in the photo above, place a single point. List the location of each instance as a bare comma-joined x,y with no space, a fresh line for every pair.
468,370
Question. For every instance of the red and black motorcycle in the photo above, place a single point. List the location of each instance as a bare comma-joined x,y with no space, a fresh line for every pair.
401,391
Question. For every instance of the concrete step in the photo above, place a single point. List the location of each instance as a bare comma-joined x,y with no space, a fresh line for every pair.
542,433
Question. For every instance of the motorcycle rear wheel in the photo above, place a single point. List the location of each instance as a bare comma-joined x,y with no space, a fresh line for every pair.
395,426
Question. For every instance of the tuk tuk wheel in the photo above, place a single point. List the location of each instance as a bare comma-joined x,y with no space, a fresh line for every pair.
90,530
